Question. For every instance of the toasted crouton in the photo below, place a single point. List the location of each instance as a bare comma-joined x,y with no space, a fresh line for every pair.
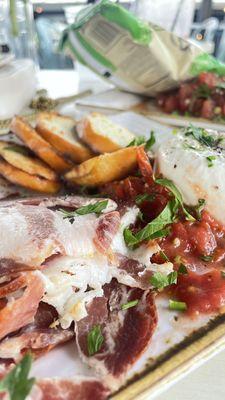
60,132
103,135
33,182
105,168
19,157
38,145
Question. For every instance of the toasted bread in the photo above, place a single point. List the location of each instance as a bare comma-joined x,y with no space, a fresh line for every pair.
19,157
33,182
38,145
60,132
105,168
103,135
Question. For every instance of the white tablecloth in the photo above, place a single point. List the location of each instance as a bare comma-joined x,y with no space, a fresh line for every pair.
208,381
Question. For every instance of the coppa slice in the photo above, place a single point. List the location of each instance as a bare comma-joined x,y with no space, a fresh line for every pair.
60,132
19,157
103,135
38,145
194,159
104,168
79,388
125,332
24,179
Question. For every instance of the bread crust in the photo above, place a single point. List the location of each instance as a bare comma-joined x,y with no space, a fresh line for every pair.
13,154
96,140
105,168
38,145
33,182
76,150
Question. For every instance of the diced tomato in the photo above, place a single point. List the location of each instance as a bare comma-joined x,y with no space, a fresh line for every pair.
208,78
207,110
202,293
171,104
201,237
184,96
126,189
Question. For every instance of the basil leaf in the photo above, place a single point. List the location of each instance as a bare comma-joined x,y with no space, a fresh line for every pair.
210,160
159,281
223,274
94,340
96,208
182,270
177,305
130,304
150,141
144,197
137,141
158,224
163,256
203,91
16,382
167,183
206,258
161,233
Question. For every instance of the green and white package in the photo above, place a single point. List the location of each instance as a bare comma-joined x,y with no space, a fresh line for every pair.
136,56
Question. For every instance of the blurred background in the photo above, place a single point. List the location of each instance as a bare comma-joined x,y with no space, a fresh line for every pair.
37,25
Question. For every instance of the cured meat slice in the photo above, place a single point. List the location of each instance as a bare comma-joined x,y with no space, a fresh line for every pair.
63,201
19,312
126,332
9,267
36,337
69,389
107,227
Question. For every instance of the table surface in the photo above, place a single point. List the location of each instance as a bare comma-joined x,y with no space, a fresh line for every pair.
206,382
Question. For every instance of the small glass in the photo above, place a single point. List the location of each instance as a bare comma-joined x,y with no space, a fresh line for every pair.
17,28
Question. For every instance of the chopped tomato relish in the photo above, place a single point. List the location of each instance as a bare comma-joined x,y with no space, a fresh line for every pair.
199,245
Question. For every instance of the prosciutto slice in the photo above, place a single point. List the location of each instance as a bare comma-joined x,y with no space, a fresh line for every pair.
69,389
126,332
19,312
37,337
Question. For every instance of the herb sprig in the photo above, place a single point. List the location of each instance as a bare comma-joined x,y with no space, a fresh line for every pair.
16,382
95,340
95,208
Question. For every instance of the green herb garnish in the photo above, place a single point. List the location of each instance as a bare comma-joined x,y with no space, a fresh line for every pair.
210,160
144,197
200,207
150,141
154,227
139,140
96,208
203,137
202,91
223,274
177,305
182,269
206,258
163,256
16,383
130,304
159,281
177,195
94,340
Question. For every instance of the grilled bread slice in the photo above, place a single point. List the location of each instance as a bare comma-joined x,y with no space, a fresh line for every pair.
38,145
104,168
19,157
33,182
102,134
60,132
